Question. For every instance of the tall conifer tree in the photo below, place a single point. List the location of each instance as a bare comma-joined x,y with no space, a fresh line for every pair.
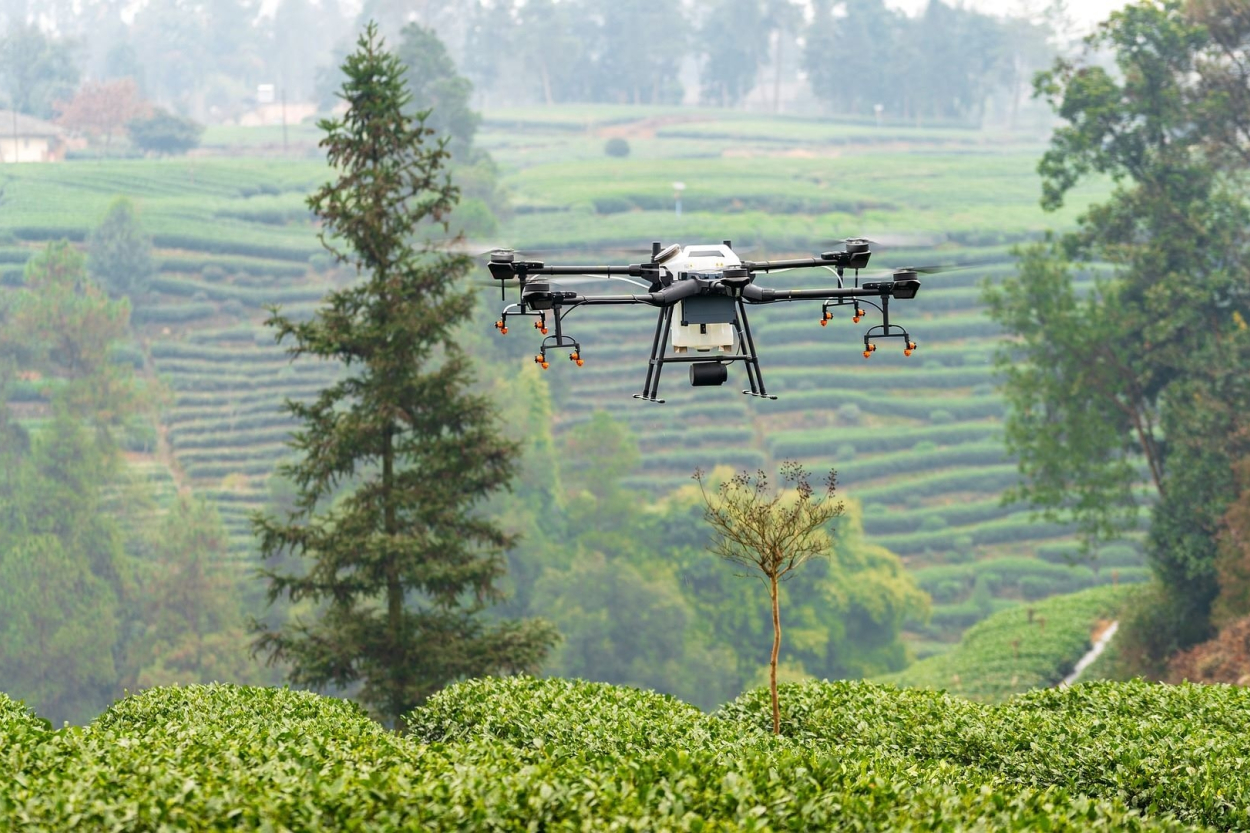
400,566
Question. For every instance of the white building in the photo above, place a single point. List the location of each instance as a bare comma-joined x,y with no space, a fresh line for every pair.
28,139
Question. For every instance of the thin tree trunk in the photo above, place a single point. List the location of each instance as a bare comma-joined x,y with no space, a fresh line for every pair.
545,75
777,74
772,664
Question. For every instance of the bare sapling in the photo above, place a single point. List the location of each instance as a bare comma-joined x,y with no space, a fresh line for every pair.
771,533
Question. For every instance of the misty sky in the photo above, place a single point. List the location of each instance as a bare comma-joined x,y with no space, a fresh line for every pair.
1085,13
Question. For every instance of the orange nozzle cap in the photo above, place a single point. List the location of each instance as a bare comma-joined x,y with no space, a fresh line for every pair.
867,353
824,322
580,362
855,319
545,365
907,352
503,331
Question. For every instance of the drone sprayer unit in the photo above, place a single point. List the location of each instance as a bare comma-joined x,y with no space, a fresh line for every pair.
702,293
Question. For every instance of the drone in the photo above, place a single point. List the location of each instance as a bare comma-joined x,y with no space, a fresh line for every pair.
702,293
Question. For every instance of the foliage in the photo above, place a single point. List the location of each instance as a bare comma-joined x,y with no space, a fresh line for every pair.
1024,647
36,70
503,754
942,64
119,253
401,562
1150,366
772,535
734,36
102,108
191,625
633,625
1233,561
436,88
164,134
617,146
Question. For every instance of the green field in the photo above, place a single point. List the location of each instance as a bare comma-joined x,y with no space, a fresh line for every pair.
524,754
916,439
1027,646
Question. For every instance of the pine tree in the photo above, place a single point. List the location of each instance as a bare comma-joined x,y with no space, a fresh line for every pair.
120,253
394,459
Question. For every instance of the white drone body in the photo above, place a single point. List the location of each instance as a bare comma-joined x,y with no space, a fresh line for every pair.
688,332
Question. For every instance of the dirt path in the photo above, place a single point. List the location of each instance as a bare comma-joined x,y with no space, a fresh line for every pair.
1100,644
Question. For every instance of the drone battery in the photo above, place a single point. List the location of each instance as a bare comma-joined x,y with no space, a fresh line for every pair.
708,374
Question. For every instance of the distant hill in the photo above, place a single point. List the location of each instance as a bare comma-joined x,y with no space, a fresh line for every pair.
916,439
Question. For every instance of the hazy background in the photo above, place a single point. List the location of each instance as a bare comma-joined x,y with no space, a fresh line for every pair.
173,145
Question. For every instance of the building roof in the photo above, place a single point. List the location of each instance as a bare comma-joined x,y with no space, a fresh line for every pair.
26,126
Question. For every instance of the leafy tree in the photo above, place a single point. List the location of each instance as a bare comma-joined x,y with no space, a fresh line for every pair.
784,20
164,134
637,51
1147,369
436,87
102,108
400,564
550,38
627,621
59,625
192,626
68,328
119,254
597,454
868,70
734,37
771,534
37,71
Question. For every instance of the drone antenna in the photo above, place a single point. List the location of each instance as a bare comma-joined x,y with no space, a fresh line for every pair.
655,249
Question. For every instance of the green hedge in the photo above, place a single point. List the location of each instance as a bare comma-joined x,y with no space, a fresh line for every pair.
870,440
521,754
173,313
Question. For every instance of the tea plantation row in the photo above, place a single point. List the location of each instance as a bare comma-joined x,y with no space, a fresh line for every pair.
1026,646
524,754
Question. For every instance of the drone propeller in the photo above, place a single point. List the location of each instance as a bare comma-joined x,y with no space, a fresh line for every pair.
930,269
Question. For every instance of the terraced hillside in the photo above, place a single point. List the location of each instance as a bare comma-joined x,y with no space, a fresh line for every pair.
230,236
916,439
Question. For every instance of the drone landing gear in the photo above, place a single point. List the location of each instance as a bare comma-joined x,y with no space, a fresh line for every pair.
705,371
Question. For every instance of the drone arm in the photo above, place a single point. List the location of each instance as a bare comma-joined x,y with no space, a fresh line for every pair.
759,295
633,270
797,263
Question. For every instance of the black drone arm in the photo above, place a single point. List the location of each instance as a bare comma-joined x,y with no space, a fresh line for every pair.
662,298
753,294
633,270
796,263
503,270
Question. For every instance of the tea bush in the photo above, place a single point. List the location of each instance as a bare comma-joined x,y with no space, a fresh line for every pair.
525,754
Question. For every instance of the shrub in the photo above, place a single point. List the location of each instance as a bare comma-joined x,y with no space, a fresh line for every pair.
505,754
165,134
616,147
